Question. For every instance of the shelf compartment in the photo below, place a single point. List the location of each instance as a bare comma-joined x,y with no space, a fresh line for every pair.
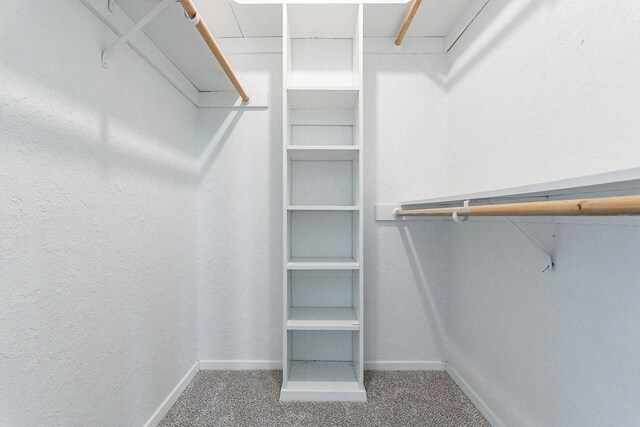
323,183
322,318
319,152
324,60
321,135
322,288
322,98
321,208
345,263
322,234
323,44
322,381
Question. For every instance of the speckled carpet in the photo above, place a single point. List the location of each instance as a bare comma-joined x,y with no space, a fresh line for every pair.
251,398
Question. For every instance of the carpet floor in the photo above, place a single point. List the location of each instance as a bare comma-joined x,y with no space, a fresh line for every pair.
251,398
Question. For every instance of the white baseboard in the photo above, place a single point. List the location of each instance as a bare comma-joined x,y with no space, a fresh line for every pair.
382,365
405,365
474,397
239,365
164,407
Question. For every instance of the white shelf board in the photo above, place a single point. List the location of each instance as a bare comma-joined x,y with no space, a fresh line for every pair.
322,381
622,180
296,263
322,319
322,98
316,1
325,88
323,152
322,208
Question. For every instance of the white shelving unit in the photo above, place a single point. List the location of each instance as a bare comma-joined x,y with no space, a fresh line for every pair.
322,212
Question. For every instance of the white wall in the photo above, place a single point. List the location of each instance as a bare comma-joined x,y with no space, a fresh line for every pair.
555,348
97,315
542,90
240,215
405,152
240,221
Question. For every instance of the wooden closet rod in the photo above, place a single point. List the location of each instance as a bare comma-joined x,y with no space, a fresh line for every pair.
194,16
407,21
625,205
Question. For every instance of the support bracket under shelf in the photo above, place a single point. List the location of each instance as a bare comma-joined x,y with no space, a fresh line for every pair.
124,38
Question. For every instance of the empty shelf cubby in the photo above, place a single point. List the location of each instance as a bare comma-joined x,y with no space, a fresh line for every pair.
321,54
323,300
323,361
323,183
323,234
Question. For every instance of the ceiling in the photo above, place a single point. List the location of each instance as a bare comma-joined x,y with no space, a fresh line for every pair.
175,36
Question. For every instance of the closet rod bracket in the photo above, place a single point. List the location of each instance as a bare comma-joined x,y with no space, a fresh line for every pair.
124,38
548,264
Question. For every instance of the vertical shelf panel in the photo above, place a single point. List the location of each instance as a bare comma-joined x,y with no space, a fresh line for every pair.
322,215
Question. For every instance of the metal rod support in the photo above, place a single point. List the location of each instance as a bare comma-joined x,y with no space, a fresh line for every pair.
131,31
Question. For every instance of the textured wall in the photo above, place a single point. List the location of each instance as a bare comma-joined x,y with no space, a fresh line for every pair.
556,348
405,152
97,314
543,90
239,266
240,221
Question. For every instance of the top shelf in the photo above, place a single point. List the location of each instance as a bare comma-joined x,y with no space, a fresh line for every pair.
326,20
622,181
316,1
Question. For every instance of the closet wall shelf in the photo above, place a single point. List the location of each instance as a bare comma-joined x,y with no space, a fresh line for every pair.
322,319
320,88
322,184
322,264
624,182
322,208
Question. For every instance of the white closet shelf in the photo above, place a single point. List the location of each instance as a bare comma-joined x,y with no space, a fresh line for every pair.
330,88
322,319
323,152
323,97
322,381
322,208
620,182
296,263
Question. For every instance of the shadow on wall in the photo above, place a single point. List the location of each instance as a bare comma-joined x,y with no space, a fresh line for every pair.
484,31
217,141
95,130
421,275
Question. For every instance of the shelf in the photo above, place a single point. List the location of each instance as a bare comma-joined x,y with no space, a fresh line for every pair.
322,381
323,152
352,89
322,318
322,264
625,181
322,98
322,208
